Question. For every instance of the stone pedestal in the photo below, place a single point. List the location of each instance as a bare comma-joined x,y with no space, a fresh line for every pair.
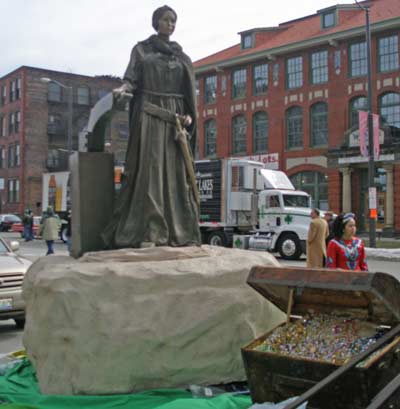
134,319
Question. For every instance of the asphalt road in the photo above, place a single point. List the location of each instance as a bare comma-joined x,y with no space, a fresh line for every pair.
11,337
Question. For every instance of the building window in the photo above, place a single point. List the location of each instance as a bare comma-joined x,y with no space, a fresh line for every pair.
388,53
315,184
358,59
328,19
294,72
83,96
2,126
17,155
337,61
275,73
247,41
260,132
197,86
210,89
17,121
210,138
294,128
239,79
389,109
239,127
357,104
2,157
12,91
223,85
3,95
11,121
13,190
10,156
18,90
54,92
319,124
260,79
319,67
55,125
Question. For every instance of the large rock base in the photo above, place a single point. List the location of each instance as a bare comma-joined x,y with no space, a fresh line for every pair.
134,319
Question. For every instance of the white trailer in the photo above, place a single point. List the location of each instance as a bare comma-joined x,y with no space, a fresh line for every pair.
246,206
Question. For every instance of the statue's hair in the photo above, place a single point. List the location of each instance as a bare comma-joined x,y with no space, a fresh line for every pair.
158,13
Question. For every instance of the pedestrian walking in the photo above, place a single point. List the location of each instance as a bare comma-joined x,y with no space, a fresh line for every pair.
317,234
27,222
49,229
345,250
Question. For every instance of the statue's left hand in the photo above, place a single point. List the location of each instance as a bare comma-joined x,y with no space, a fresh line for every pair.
186,120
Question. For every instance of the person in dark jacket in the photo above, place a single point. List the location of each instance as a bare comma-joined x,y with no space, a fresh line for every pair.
328,216
27,222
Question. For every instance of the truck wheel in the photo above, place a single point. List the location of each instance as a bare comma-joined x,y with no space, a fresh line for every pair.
63,234
216,238
289,247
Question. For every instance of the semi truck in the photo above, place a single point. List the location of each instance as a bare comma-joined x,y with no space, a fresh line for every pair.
246,206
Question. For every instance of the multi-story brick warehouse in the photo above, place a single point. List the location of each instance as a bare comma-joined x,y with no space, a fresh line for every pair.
289,95
34,128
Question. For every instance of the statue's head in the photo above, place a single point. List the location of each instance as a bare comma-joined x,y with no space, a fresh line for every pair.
164,20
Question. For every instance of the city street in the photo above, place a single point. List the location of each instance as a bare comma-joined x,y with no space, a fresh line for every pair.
11,337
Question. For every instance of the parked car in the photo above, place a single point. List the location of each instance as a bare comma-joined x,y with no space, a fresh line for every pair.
7,220
19,227
12,271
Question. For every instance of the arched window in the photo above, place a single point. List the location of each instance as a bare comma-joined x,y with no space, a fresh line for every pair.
319,124
260,132
389,109
210,138
315,184
357,104
239,127
294,128
54,92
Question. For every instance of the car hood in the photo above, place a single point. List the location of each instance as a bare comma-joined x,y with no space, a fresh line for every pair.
12,263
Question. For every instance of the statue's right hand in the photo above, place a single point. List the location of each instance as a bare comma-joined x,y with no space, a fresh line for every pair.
122,92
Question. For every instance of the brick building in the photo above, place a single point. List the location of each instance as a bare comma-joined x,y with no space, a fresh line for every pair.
289,95
33,133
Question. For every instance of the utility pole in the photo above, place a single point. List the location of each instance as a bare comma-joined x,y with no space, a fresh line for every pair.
371,163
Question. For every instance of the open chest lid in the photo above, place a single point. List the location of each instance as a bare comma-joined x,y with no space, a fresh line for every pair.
370,296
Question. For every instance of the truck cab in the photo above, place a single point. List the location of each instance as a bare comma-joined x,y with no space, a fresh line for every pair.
283,214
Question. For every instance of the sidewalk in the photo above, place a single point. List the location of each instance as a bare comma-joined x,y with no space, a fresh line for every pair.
388,248
383,254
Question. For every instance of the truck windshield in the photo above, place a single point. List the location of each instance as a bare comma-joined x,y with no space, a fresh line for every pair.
296,201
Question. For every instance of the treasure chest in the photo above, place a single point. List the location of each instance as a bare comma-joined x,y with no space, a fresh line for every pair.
332,316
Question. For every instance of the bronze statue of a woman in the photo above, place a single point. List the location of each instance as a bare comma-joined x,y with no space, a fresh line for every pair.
157,202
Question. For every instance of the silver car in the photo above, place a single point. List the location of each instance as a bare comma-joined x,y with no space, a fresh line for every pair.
12,271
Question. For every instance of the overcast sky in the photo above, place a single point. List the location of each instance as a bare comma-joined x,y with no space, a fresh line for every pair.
94,37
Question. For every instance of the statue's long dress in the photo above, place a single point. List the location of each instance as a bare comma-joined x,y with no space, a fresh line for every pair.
156,203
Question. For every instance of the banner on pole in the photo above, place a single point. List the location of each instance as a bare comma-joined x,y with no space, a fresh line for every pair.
363,132
375,123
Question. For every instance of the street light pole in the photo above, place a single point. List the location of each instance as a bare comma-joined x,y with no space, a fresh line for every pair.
371,163
70,111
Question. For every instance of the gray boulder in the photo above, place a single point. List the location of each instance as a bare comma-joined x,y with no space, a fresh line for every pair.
134,319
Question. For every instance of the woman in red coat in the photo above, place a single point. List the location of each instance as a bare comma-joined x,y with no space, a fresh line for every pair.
346,251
